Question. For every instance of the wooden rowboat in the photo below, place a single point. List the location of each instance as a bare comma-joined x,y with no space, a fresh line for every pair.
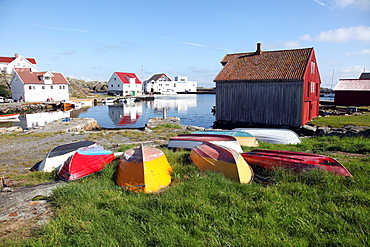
276,136
59,154
297,161
85,161
143,169
244,138
209,156
189,141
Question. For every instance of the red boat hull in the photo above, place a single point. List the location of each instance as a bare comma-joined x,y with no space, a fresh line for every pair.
81,165
297,161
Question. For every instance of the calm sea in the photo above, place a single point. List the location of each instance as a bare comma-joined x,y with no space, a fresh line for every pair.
192,109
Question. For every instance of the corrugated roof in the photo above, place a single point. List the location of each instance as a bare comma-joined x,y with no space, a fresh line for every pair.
125,77
33,77
268,65
353,85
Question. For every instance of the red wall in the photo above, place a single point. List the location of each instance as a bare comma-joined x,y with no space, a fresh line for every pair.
311,90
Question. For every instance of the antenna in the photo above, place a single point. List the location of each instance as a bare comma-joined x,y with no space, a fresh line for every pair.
332,77
143,72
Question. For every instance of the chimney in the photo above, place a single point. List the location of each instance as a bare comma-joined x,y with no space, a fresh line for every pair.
16,55
258,51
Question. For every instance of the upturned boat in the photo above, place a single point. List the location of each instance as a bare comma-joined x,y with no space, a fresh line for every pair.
59,154
244,138
85,161
275,136
297,161
189,141
143,169
212,157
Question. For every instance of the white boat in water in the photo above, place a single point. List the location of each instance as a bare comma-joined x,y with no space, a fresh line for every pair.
275,136
169,92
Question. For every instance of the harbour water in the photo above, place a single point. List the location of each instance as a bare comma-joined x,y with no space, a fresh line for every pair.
192,109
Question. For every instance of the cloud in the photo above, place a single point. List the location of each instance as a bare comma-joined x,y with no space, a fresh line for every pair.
360,4
195,44
361,33
61,29
68,53
292,44
363,52
321,3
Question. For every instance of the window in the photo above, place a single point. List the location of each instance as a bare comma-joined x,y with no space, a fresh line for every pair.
34,87
64,87
60,87
51,87
313,87
30,87
111,85
43,87
313,65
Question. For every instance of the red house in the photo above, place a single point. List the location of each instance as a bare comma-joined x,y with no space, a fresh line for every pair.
268,88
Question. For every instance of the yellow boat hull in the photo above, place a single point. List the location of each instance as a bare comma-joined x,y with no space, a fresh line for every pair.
143,170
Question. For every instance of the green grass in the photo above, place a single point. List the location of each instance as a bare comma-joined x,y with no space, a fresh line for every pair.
340,121
312,208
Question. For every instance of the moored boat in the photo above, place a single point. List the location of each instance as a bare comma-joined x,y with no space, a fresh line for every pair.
6,116
244,138
276,136
212,157
189,141
297,161
85,161
59,154
143,169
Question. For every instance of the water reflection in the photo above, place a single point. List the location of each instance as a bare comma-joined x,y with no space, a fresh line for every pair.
192,109
125,115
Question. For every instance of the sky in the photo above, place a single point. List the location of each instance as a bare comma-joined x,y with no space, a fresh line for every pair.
90,40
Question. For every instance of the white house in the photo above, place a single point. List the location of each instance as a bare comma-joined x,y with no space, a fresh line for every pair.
161,83
125,84
8,64
38,86
181,84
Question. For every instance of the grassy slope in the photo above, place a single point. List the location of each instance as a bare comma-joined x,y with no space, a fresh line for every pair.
206,209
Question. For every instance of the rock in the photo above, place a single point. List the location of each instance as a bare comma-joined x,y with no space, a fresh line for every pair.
322,131
308,130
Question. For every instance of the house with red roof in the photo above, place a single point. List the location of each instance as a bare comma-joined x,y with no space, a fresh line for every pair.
268,88
125,84
31,86
8,64
353,92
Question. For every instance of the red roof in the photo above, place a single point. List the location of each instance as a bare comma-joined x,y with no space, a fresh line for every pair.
265,65
125,77
10,59
34,77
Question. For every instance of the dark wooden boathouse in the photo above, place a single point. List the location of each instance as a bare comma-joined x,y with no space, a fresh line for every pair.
268,88
353,92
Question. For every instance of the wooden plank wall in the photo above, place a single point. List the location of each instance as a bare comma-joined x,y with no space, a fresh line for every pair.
272,103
